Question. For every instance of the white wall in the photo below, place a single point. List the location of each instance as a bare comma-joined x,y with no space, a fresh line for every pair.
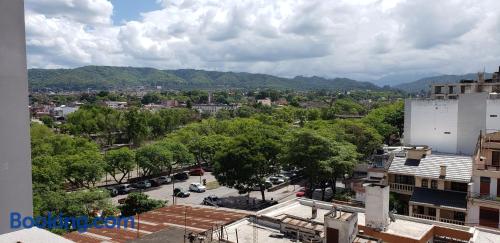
471,120
492,108
15,162
429,120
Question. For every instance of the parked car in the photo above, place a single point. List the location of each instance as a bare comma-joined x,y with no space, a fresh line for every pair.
155,182
142,184
301,192
197,187
112,191
196,172
276,180
284,177
179,192
182,176
124,188
267,184
212,201
164,179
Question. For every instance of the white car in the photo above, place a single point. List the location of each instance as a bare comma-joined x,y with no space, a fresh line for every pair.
197,187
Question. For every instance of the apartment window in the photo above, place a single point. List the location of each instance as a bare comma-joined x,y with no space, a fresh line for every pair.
434,184
457,186
493,116
484,188
425,183
495,158
431,211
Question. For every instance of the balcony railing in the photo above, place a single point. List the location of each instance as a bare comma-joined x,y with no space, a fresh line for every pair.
452,221
484,197
488,167
405,188
423,216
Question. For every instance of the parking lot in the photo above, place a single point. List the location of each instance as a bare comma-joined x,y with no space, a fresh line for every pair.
164,192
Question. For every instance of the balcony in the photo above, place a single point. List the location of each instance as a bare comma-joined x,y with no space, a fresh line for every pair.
401,188
423,216
452,221
487,167
485,197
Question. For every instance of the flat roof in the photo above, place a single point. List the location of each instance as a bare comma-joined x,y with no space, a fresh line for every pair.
247,231
33,235
298,210
458,167
404,228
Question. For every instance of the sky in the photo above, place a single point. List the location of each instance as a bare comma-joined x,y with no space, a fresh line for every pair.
359,39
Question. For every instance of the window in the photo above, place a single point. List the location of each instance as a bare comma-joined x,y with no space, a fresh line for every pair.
495,158
434,184
431,211
457,186
447,132
493,115
425,183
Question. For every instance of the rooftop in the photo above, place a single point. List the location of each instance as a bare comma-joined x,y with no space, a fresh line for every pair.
458,167
33,235
193,218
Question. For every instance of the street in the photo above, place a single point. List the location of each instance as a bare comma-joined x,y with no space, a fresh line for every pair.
164,192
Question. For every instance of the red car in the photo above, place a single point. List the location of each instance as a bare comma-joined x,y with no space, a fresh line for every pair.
301,192
196,172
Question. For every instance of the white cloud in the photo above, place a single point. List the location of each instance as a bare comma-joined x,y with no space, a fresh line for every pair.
358,39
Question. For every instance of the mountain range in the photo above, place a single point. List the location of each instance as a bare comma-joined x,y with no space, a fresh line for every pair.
108,77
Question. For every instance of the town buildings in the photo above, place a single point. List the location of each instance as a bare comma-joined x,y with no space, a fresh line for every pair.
214,108
450,123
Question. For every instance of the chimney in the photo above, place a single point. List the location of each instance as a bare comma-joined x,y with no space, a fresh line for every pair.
377,206
442,172
418,153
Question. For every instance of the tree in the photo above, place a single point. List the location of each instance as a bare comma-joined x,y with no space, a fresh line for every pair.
84,169
47,121
388,120
136,128
180,153
310,152
119,161
249,159
137,203
154,159
204,147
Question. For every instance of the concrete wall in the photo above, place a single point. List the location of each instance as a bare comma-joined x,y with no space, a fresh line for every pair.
15,161
471,120
492,108
450,126
433,123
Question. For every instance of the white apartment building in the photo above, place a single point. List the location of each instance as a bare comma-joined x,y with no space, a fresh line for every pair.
451,125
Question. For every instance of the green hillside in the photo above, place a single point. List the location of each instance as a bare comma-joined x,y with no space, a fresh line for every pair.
105,77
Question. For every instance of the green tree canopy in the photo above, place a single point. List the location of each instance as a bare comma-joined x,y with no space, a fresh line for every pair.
119,163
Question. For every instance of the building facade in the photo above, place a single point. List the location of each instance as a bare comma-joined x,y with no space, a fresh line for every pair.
434,186
15,161
484,196
451,125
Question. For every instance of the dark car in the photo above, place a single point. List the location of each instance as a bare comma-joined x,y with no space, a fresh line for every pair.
196,172
179,192
212,201
182,176
155,182
112,191
124,188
